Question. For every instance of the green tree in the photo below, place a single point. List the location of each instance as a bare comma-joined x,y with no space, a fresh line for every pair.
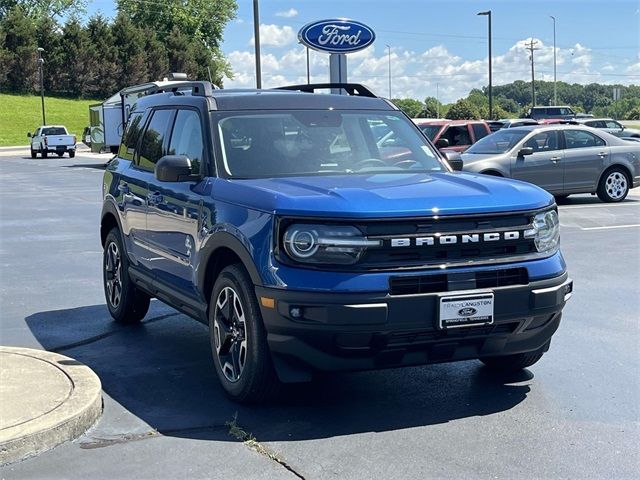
463,110
43,8
130,55
432,107
199,20
410,106
157,62
80,59
104,80
20,57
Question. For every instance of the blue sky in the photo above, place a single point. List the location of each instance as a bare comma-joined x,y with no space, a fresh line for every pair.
441,45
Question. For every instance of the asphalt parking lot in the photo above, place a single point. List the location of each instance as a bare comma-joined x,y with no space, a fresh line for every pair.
575,414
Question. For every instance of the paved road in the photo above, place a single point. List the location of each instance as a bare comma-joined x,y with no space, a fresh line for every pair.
574,415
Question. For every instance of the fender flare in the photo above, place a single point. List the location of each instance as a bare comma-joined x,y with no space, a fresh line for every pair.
109,207
225,239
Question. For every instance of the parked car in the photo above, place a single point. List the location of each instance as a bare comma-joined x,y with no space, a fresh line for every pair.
561,112
611,126
273,217
453,135
558,121
562,159
52,139
496,125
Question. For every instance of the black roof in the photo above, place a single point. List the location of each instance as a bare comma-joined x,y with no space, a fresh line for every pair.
266,99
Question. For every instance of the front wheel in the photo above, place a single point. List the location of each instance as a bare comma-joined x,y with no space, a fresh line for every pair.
614,186
43,152
239,340
512,363
33,153
125,302
72,153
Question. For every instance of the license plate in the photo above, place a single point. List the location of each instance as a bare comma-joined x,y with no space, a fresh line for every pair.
466,310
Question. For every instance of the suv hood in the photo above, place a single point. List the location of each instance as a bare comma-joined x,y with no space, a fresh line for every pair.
383,195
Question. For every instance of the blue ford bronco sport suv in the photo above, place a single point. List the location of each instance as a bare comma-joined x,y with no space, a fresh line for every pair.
286,221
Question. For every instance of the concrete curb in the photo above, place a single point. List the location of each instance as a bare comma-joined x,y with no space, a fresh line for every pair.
46,399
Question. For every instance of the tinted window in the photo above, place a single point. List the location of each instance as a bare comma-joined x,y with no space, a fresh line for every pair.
543,142
582,139
566,111
457,135
187,138
54,131
131,136
151,148
554,111
430,130
479,131
612,124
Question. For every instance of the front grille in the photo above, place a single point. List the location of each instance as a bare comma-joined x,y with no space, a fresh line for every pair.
464,250
414,337
414,284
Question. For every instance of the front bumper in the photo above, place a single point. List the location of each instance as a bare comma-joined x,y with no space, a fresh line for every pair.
362,331
60,148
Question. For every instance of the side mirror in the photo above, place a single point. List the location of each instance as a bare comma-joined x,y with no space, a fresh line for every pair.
525,151
454,159
174,168
28,134
442,143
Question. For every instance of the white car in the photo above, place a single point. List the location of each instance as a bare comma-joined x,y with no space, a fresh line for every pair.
52,138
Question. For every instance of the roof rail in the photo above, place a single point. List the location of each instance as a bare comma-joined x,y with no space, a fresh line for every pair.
198,88
353,89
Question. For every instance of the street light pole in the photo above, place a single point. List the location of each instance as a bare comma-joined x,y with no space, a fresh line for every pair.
308,70
256,36
488,14
555,91
389,49
41,68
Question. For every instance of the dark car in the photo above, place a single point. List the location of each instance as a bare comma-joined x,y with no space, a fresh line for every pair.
453,135
496,125
275,218
559,112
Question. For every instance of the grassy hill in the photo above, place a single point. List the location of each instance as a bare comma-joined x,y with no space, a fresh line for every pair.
20,114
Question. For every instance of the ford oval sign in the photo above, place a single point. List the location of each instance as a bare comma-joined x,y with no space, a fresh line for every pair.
336,36
467,312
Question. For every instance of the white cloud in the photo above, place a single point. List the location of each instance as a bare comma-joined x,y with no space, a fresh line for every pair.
416,74
275,35
292,12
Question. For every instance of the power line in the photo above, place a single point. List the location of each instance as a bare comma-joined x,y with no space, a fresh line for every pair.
532,48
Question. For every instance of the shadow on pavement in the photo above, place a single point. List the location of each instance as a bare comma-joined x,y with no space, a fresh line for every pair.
161,370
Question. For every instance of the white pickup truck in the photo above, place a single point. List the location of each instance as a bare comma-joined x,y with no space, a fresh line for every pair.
52,139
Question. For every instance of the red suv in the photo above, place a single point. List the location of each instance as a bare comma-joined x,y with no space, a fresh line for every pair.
456,135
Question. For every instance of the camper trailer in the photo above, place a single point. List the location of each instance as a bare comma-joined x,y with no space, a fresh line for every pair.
107,119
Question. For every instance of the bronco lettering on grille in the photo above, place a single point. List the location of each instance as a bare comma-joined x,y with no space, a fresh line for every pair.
455,239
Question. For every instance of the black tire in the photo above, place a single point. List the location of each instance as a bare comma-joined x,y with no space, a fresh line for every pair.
72,153
561,198
512,363
132,304
43,152
239,340
34,154
614,185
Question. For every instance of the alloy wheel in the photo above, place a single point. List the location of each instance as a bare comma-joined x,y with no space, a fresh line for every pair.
616,185
230,334
113,275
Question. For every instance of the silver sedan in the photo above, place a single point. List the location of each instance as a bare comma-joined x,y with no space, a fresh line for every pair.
562,159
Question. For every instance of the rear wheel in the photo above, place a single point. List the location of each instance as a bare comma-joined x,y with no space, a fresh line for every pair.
512,363
33,153
614,186
125,302
43,152
72,153
239,340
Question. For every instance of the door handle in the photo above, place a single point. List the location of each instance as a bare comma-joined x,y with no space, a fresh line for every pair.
555,159
155,198
602,154
123,188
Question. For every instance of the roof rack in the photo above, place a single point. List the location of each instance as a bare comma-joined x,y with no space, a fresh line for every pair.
353,89
198,88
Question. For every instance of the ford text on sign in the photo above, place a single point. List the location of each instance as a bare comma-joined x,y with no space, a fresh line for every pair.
336,36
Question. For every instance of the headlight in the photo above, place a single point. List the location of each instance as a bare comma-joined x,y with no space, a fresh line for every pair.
545,231
331,244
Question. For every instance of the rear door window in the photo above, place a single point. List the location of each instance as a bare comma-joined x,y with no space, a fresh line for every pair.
543,142
582,139
152,147
457,135
479,131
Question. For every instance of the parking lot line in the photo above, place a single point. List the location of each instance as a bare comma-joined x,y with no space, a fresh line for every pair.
602,205
611,227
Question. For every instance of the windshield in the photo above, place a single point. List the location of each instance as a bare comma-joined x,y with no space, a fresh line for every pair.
54,131
321,142
498,142
430,130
